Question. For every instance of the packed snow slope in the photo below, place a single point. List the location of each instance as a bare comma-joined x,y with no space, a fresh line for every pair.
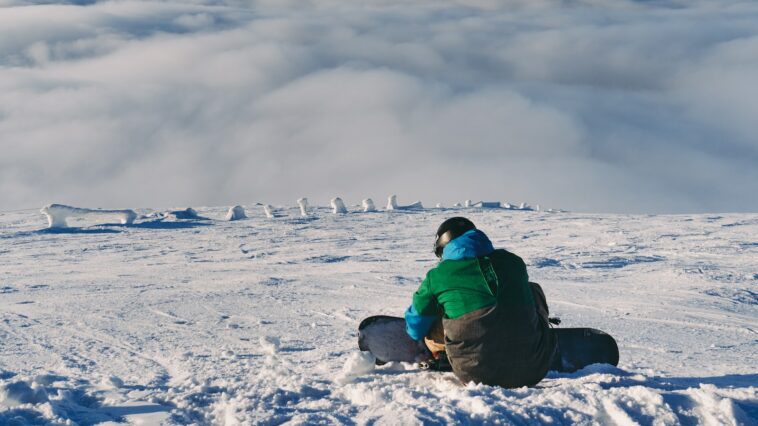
254,321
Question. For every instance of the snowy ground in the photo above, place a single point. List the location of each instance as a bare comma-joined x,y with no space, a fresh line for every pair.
254,321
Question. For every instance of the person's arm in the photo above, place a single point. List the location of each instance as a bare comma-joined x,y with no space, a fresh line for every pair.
423,312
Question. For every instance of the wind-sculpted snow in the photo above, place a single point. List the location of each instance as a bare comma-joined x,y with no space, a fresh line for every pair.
180,321
58,214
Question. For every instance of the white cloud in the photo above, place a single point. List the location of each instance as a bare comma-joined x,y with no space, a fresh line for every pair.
592,105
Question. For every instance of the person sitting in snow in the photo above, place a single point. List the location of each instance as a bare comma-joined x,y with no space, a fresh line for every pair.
478,309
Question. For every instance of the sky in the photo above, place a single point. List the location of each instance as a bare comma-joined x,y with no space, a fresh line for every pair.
585,105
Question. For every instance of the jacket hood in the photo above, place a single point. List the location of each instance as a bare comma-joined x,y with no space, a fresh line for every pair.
470,245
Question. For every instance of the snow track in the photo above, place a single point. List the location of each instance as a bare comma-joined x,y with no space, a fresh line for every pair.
254,321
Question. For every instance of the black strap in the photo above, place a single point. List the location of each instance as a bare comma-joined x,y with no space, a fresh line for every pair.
488,271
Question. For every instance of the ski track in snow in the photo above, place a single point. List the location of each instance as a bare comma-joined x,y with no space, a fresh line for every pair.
254,321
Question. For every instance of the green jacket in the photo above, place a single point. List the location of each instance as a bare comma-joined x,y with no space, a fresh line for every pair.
457,287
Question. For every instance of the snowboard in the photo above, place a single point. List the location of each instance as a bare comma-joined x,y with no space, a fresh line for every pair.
385,337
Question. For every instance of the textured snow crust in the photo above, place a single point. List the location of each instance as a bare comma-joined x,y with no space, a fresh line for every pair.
180,321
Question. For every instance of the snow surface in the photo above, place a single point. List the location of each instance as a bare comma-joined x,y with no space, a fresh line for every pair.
180,321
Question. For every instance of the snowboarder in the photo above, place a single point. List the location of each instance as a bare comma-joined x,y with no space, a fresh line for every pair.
478,310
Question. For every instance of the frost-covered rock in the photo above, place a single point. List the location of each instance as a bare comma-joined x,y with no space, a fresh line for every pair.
368,205
57,214
392,204
269,211
303,203
338,206
236,213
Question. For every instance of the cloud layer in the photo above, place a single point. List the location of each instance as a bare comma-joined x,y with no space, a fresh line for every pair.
594,105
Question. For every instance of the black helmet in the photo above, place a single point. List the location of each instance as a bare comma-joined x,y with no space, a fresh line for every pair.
450,230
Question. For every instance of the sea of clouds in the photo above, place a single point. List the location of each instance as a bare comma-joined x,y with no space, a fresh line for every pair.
594,105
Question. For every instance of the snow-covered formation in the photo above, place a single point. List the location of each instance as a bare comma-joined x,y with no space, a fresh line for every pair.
338,206
392,204
438,206
303,204
467,204
236,213
255,322
58,214
269,210
187,214
368,205
488,204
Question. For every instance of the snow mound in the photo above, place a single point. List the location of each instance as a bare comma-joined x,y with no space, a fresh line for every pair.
357,364
368,205
392,204
269,211
236,213
186,214
338,206
57,214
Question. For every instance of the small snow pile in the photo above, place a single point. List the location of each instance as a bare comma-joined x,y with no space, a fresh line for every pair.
20,392
357,364
236,213
269,211
392,204
188,213
58,213
303,203
269,344
338,206
368,205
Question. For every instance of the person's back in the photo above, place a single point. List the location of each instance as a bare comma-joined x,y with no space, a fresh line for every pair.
495,322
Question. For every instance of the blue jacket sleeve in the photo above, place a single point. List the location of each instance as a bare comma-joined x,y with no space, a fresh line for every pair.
416,325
